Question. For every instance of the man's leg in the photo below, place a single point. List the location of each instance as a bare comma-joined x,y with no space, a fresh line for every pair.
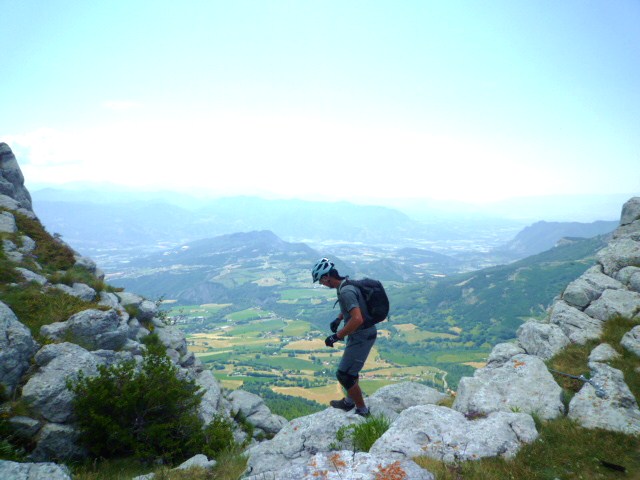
355,394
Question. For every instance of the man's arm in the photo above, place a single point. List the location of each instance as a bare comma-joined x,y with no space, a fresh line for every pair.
353,324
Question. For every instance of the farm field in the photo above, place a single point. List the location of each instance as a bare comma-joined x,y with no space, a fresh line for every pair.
255,346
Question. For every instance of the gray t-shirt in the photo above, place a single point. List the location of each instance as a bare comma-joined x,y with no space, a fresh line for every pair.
350,297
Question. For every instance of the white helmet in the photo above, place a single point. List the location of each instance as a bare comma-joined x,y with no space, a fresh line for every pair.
322,267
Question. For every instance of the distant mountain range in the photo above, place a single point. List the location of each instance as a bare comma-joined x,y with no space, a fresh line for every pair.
96,222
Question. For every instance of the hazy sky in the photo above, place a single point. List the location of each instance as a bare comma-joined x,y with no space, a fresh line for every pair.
474,100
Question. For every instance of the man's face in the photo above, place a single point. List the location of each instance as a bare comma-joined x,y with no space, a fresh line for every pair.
324,280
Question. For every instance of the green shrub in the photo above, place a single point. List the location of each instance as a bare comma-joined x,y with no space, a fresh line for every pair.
364,434
146,412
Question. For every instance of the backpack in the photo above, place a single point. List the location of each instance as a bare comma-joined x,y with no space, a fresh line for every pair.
375,298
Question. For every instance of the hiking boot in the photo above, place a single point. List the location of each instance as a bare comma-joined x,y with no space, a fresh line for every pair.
342,404
365,412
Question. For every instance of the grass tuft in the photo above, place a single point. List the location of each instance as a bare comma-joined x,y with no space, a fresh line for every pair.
34,309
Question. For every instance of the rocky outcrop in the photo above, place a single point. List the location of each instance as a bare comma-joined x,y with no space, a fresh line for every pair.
521,384
513,381
16,349
447,435
12,183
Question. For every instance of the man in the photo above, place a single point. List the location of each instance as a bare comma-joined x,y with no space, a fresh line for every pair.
360,336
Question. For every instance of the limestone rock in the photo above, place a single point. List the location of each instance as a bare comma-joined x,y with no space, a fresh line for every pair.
210,403
93,329
603,353
58,442
523,383
298,441
7,223
46,391
541,339
501,353
400,396
253,408
576,325
614,302
631,340
33,471
78,290
347,465
619,253
588,287
630,211
445,434
30,276
16,349
617,411
173,338
12,180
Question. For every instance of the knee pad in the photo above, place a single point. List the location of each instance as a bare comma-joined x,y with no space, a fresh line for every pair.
346,380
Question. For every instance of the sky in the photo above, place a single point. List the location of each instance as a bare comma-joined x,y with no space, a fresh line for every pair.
328,100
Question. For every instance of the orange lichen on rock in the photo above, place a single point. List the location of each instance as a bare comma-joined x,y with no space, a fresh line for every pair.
392,471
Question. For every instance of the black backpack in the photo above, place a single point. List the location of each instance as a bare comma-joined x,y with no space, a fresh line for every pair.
374,296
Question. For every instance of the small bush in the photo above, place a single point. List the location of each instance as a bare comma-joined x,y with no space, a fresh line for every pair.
146,412
364,434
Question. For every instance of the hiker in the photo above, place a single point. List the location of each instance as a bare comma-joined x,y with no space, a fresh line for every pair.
353,310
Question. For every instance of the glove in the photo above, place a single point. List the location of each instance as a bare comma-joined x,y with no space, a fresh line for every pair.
331,339
335,325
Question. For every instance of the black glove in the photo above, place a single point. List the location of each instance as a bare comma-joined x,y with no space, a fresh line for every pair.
331,339
335,325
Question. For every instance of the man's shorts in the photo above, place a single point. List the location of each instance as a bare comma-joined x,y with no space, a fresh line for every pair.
359,345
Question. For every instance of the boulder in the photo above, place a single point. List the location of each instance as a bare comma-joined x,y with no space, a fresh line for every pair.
46,391
253,408
58,442
93,329
345,464
400,396
522,384
128,298
298,441
620,253
445,434
576,325
12,180
209,405
146,311
33,471
588,287
16,349
30,276
79,290
614,302
631,340
173,338
7,223
541,339
603,353
617,410
501,353
630,211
